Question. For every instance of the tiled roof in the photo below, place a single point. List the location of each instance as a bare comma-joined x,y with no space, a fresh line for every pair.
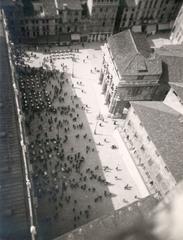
131,52
13,204
172,63
172,69
111,226
165,129
71,4
178,87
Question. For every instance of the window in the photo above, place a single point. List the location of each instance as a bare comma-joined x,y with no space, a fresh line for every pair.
142,148
136,91
140,77
148,175
150,162
162,15
139,5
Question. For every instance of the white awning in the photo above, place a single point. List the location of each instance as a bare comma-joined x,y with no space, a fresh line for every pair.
75,37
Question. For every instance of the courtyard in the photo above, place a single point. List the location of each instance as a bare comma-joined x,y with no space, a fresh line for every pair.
105,180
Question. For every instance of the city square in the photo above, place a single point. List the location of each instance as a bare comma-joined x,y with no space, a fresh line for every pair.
91,104
85,175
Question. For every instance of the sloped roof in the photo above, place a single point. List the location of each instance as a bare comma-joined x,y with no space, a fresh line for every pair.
111,226
71,4
131,52
172,69
163,126
172,63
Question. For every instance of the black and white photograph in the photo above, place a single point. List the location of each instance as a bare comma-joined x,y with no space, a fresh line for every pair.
91,119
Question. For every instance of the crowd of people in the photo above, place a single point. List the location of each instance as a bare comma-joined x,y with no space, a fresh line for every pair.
54,127
60,143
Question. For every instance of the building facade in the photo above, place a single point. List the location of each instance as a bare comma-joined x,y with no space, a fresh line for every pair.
102,18
59,22
147,15
130,71
140,136
177,31
89,20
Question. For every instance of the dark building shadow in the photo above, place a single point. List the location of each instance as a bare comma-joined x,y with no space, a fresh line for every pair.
14,214
164,86
71,206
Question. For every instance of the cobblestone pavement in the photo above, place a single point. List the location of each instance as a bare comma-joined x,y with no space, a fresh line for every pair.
101,158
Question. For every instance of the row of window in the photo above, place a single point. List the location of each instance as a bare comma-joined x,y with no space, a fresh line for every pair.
105,1
144,14
46,21
36,31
